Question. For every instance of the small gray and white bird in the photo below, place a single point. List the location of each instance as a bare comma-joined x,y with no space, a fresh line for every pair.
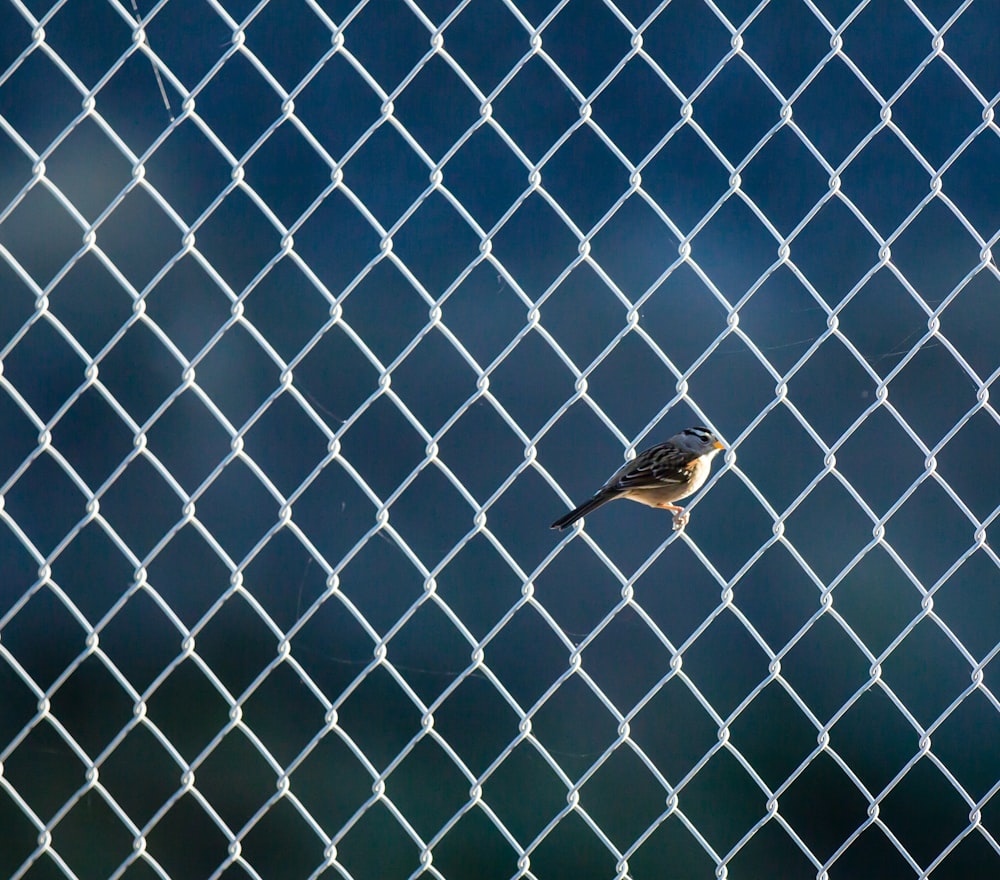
658,476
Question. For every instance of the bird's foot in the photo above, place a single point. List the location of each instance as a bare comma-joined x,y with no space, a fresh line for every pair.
681,519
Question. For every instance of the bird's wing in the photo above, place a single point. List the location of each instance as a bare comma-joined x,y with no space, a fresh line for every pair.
663,465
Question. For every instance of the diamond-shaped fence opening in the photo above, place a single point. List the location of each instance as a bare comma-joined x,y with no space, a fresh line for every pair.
314,317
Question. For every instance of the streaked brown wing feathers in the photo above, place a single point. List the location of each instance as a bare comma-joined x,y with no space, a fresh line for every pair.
656,468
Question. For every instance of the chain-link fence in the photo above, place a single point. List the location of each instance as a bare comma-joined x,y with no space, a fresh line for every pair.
315,315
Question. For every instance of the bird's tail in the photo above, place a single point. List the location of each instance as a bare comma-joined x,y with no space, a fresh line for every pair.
564,522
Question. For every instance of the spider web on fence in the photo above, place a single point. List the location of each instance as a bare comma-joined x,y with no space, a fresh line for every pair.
287,713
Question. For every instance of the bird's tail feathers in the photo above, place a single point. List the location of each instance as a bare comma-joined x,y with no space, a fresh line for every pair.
564,522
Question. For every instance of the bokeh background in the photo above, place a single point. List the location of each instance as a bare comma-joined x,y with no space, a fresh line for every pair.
299,364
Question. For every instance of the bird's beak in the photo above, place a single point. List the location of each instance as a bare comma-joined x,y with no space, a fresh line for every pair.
718,445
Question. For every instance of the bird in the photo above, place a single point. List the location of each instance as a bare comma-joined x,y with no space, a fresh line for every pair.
658,476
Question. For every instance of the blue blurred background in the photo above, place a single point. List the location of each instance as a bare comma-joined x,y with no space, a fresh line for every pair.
318,358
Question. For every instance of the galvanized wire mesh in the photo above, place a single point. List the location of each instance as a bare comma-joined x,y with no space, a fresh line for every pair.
315,316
